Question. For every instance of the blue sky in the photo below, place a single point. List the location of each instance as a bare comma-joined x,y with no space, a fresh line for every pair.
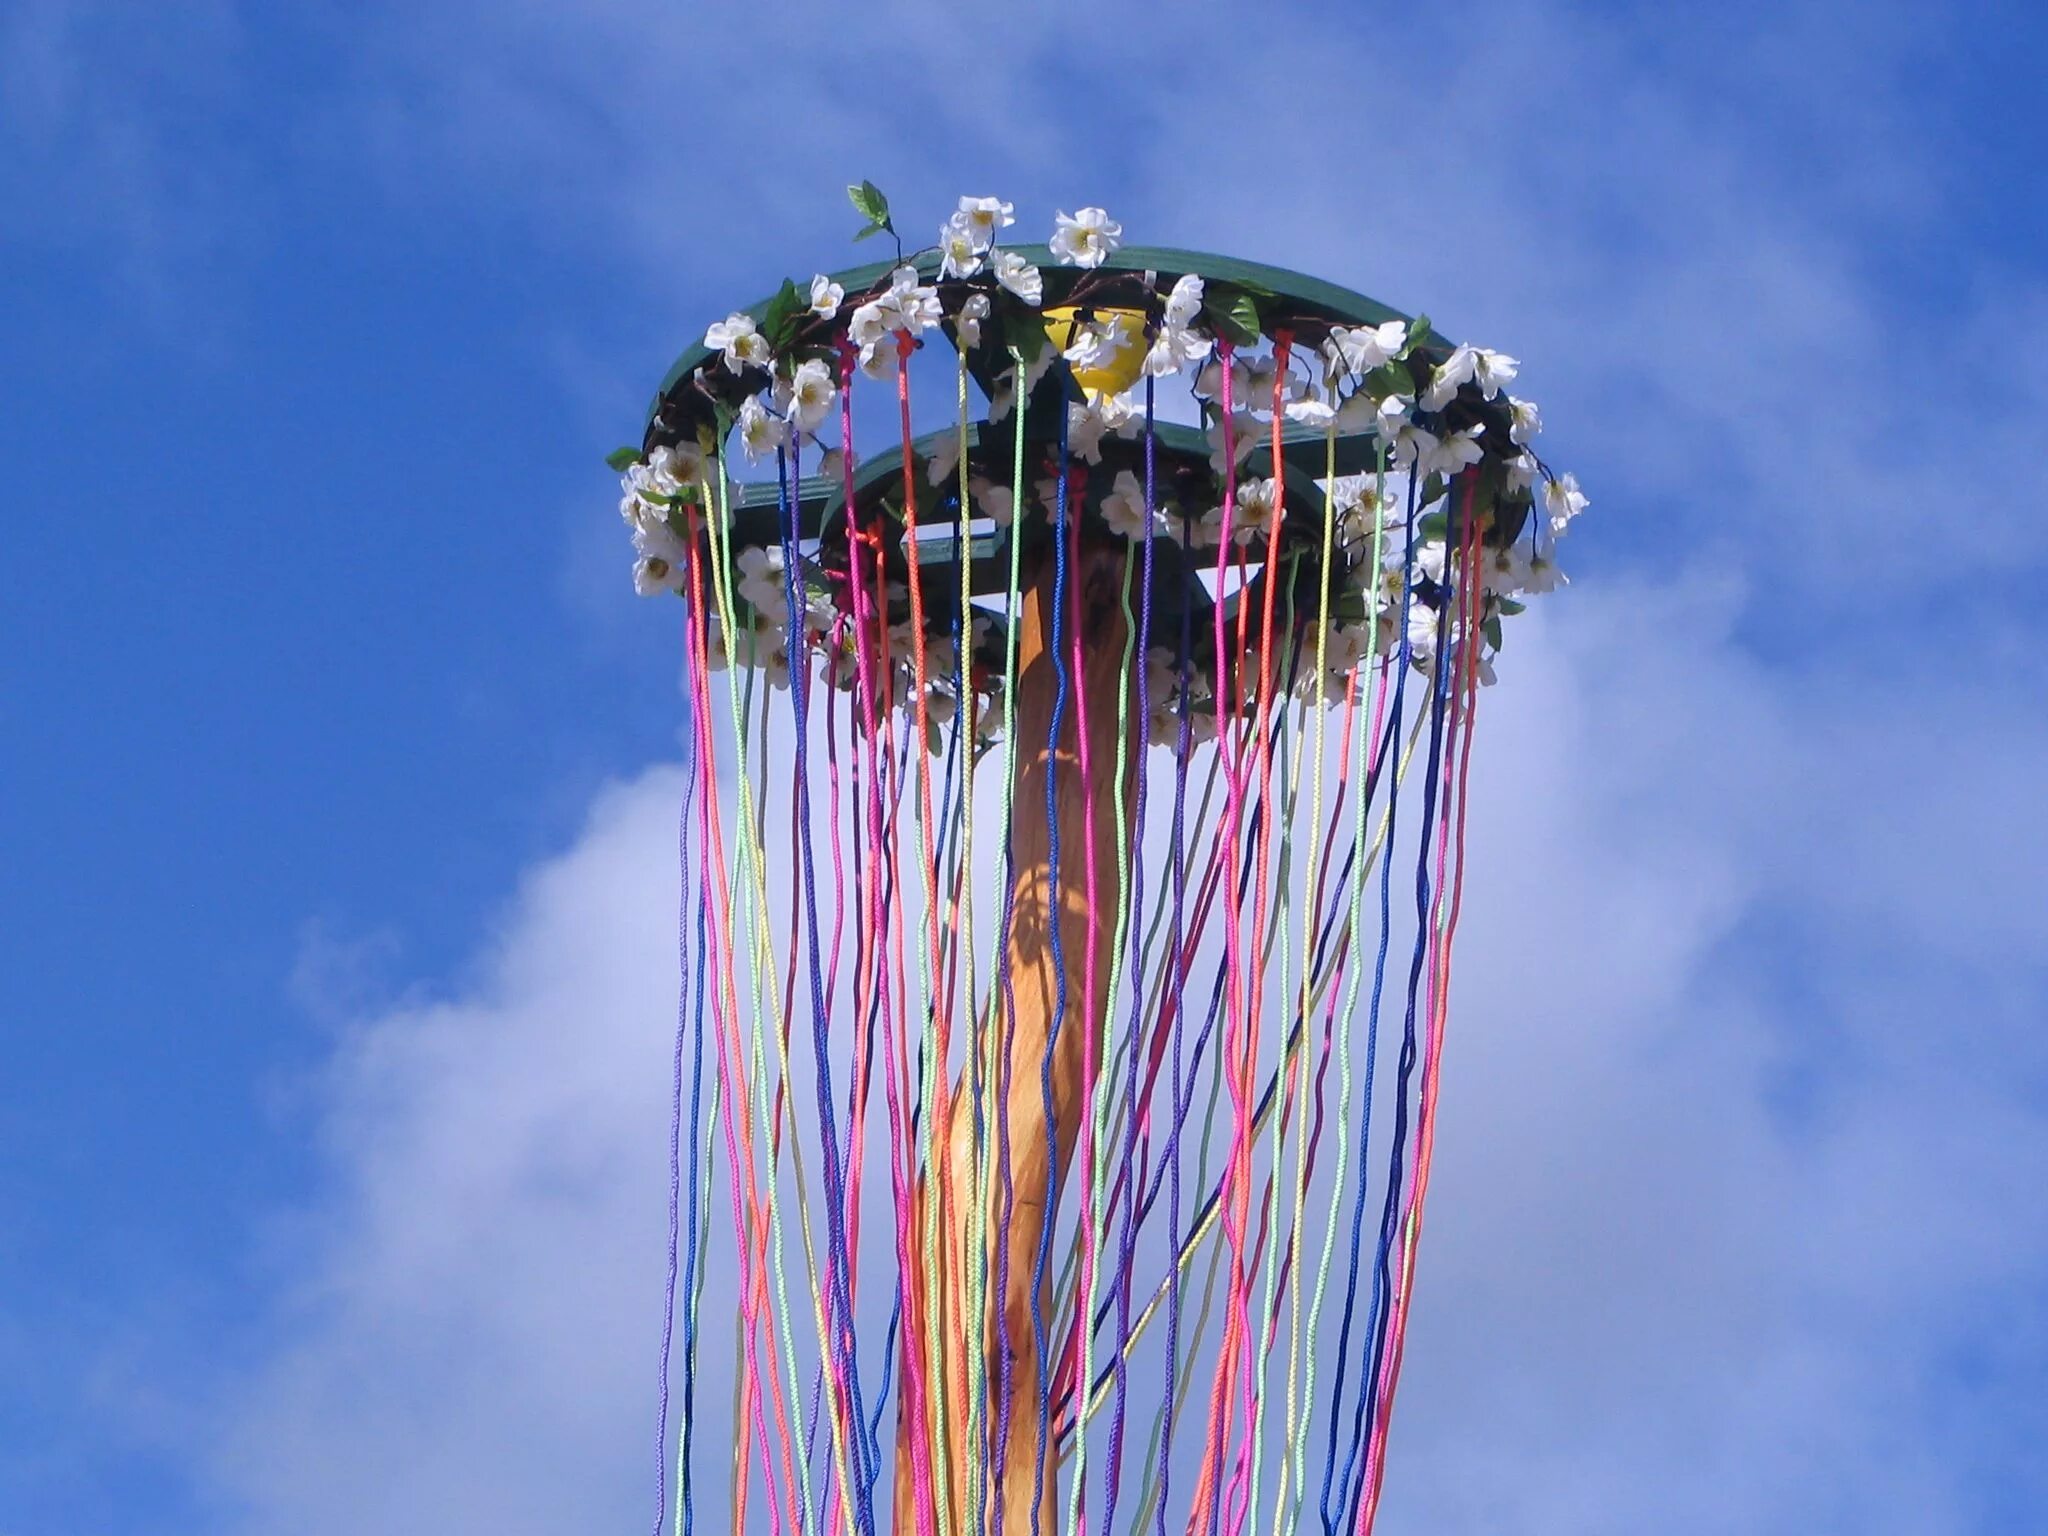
336,776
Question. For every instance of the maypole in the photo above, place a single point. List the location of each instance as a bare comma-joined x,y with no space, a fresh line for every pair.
1100,682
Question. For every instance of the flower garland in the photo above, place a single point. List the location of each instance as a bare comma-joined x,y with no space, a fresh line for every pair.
1418,415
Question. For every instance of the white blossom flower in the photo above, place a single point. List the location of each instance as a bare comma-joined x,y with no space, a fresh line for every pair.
810,394
1424,623
717,654
945,459
968,322
832,463
1564,501
640,490
1162,676
988,717
740,339
653,576
1123,509
959,252
1383,418
1493,370
1454,452
1391,415
821,612
1085,426
1520,470
1120,413
1413,445
1366,347
1256,502
1353,497
1086,239
761,431
661,553
1257,393
1342,645
940,654
1096,344
1490,370
1543,574
879,360
1524,420
1184,303
759,582
768,649
872,321
916,304
995,502
1174,348
1020,277
902,640
1005,398
1209,382
1450,374
1311,411
1246,436
981,217
1506,571
675,465
826,297
1427,560
653,534
1209,527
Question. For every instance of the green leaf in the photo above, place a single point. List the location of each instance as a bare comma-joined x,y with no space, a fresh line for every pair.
1491,475
1510,607
779,320
1433,489
1491,629
872,229
1024,329
1390,379
1233,312
1417,329
622,459
869,203
1509,516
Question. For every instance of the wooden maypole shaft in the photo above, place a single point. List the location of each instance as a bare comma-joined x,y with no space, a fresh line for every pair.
1035,983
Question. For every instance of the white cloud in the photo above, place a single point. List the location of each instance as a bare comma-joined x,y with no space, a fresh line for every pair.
469,1338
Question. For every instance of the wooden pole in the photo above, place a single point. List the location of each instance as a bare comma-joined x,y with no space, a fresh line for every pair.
1035,982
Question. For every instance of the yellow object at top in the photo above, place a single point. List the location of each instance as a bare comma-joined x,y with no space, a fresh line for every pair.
1119,369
